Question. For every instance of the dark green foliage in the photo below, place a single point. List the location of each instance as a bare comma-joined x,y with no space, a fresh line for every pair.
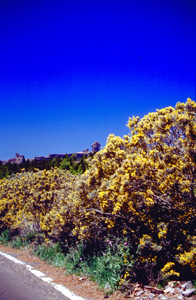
8,169
73,165
5,236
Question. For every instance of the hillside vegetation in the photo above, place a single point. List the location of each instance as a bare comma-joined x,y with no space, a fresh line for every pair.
70,163
133,211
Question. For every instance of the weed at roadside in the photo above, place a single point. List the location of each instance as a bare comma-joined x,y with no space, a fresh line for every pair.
5,237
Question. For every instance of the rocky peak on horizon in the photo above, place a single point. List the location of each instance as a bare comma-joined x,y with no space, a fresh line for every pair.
20,158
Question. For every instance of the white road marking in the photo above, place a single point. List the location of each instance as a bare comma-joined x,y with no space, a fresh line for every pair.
58,287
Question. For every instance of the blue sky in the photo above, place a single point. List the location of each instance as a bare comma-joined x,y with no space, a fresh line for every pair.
72,72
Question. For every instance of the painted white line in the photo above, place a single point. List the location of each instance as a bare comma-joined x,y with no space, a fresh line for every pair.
42,276
66,292
12,258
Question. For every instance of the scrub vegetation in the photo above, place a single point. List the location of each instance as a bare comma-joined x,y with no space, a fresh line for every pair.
129,217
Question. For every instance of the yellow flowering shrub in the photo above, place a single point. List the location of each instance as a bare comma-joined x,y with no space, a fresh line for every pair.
28,199
144,184
140,188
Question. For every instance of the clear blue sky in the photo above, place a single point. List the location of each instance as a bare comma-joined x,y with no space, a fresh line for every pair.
72,72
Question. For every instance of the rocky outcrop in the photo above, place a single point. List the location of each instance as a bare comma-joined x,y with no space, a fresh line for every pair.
95,147
18,159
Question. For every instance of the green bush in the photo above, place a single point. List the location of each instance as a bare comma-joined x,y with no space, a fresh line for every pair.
5,236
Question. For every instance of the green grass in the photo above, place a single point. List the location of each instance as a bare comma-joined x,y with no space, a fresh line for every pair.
51,254
105,269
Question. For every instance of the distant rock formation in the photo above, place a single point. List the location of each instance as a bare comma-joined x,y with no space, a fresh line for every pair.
17,160
20,158
95,147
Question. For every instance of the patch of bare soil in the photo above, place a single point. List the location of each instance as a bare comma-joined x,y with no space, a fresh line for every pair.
81,286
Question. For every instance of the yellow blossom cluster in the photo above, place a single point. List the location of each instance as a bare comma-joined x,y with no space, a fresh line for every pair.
168,271
189,257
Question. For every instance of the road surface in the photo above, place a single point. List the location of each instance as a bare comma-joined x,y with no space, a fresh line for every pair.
17,283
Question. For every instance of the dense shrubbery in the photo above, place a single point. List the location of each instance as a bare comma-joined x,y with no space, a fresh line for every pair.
139,191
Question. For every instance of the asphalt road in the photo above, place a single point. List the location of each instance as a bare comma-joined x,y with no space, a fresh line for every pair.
17,283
